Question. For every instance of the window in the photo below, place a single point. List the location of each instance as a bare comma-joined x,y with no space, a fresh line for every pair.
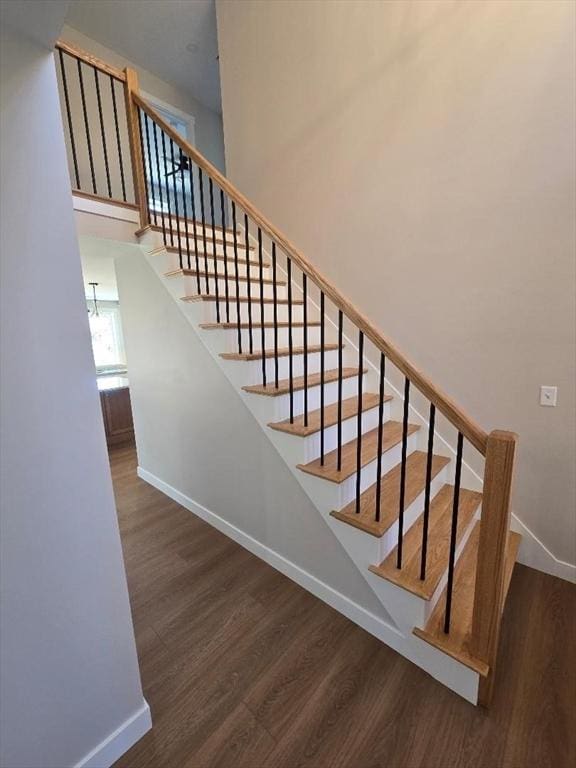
107,341
179,125
160,184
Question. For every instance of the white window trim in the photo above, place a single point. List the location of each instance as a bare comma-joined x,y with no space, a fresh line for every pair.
113,308
190,120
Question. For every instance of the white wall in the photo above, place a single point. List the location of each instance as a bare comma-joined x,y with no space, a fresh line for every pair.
194,433
422,156
69,670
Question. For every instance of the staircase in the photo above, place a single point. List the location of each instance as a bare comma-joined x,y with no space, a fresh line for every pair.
354,420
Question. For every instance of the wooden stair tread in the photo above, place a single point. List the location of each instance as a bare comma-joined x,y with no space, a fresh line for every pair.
349,408
391,436
270,324
209,242
457,643
210,256
282,352
242,299
390,495
298,383
158,227
240,278
440,522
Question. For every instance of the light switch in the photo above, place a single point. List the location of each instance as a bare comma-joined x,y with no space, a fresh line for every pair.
548,395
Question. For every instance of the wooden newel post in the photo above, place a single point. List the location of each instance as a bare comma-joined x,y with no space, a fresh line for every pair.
492,548
131,87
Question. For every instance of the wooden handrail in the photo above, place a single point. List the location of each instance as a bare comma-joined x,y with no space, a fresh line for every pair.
472,431
94,61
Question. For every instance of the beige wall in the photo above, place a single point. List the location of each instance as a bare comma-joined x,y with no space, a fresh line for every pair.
422,155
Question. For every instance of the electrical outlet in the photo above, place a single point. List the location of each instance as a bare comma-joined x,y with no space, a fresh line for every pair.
548,395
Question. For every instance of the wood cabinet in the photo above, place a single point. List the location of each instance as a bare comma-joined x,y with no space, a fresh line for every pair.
117,413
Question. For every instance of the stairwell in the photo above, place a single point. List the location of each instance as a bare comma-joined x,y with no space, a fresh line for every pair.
353,420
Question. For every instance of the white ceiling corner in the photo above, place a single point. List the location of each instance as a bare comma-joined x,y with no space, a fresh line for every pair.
39,20
154,35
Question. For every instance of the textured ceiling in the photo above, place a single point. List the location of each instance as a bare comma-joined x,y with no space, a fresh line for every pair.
154,34
40,20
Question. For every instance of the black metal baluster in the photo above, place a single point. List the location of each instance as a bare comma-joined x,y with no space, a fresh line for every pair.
305,297
151,194
249,283
144,166
427,491
193,205
339,448
160,193
359,422
86,125
275,299
453,533
201,186
211,190
175,193
290,347
185,209
380,435
163,137
322,344
235,241
403,473
262,317
102,132
226,289
118,142
69,118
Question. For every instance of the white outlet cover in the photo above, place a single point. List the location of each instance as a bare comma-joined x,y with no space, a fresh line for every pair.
548,395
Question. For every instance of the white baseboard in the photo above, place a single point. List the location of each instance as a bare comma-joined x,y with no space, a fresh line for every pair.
536,555
438,665
120,741
353,611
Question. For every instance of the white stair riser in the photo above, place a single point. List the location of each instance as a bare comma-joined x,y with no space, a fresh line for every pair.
253,370
209,247
170,223
268,288
368,473
306,449
410,610
281,312
173,262
278,408
330,496
430,604
411,513
349,432
230,337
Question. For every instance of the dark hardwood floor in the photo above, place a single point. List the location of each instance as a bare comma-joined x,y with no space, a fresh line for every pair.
242,667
